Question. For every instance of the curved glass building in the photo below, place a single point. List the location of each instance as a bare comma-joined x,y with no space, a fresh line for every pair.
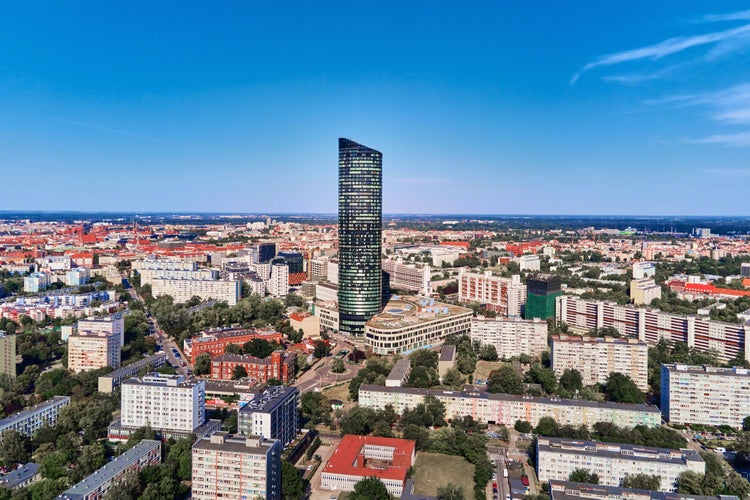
360,235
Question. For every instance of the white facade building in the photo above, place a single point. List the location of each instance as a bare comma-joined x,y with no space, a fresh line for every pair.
182,290
278,285
511,336
165,402
529,263
595,358
505,296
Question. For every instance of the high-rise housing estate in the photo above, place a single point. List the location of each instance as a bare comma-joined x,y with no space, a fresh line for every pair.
511,337
7,354
505,296
542,290
360,235
236,468
272,414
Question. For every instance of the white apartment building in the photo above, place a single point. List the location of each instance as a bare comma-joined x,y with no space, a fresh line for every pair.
595,358
333,271
183,290
165,402
110,325
36,282
745,269
151,263
78,276
529,263
278,285
318,268
557,458
705,395
410,323
643,270
92,350
651,325
505,296
325,291
148,275
408,277
511,336
28,421
272,414
507,408
327,314
644,290
262,269
236,468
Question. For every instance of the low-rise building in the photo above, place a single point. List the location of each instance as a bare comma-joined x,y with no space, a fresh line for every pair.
28,421
705,395
272,414
360,457
399,373
507,408
511,337
446,360
112,380
566,490
236,468
96,485
21,477
596,357
557,458
213,342
409,323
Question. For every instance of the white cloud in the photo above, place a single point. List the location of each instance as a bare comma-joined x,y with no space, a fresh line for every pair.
734,16
738,139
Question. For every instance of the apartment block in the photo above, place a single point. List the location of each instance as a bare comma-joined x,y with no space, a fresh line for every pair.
96,485
644,290
110,325
165,402
566,490
183,290
36,282
235,468
28,421
112,380
511,337
705,395
7,354
155,263
272,414
91,351
595,358
557,458
507,408
651,325
148,275
278,285
408,277
506,296
78,276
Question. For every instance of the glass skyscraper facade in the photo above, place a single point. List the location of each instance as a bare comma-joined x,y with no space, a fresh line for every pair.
360,235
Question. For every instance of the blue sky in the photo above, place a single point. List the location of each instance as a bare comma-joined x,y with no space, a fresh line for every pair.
582,107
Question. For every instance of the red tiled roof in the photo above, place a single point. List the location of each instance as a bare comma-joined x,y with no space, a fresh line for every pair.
344,457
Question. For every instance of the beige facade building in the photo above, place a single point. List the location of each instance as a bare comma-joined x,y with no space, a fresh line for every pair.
595,358
505,296
93,350
644,290
511,336
183,290
7,354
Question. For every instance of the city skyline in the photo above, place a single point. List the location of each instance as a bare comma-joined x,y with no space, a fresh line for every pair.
617,109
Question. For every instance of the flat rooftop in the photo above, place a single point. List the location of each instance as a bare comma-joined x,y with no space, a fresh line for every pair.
584,339
567,490
618,451
269,398
224,442
22,415
709,370
409,311
346,457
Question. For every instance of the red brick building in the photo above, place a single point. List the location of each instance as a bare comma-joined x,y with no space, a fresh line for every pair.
279,365
214,342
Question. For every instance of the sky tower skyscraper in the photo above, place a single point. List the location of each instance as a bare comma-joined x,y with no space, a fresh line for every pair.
360,235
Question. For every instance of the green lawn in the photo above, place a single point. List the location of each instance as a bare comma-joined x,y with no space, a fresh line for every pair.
432,470
485,367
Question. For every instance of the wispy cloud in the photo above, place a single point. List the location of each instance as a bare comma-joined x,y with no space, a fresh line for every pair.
733,16
96,126
738,139
423,181
661,49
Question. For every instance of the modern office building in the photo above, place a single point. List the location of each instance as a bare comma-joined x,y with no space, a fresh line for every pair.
652,325
164,402
409,323
96,485
542,290
28,421
360,235
745,269
705,395
507,408
272,414
505,296
294,261
360,457
596,357
557,458
265,252
7,354
235,468
112,380
511,337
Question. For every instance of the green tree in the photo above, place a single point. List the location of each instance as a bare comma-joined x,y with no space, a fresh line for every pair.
547,426
180,455
641,482
453,378
260,348
522,426
53,465
746,424
450,491
424,357
583,476
466,364
15,448
358,420
505,380
423,376
621,388
418,434
737,485
316,407
571,380
370,488
233,349
292,484
338,366
543,376
239,372
202,364
690,482
321,349
488,352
